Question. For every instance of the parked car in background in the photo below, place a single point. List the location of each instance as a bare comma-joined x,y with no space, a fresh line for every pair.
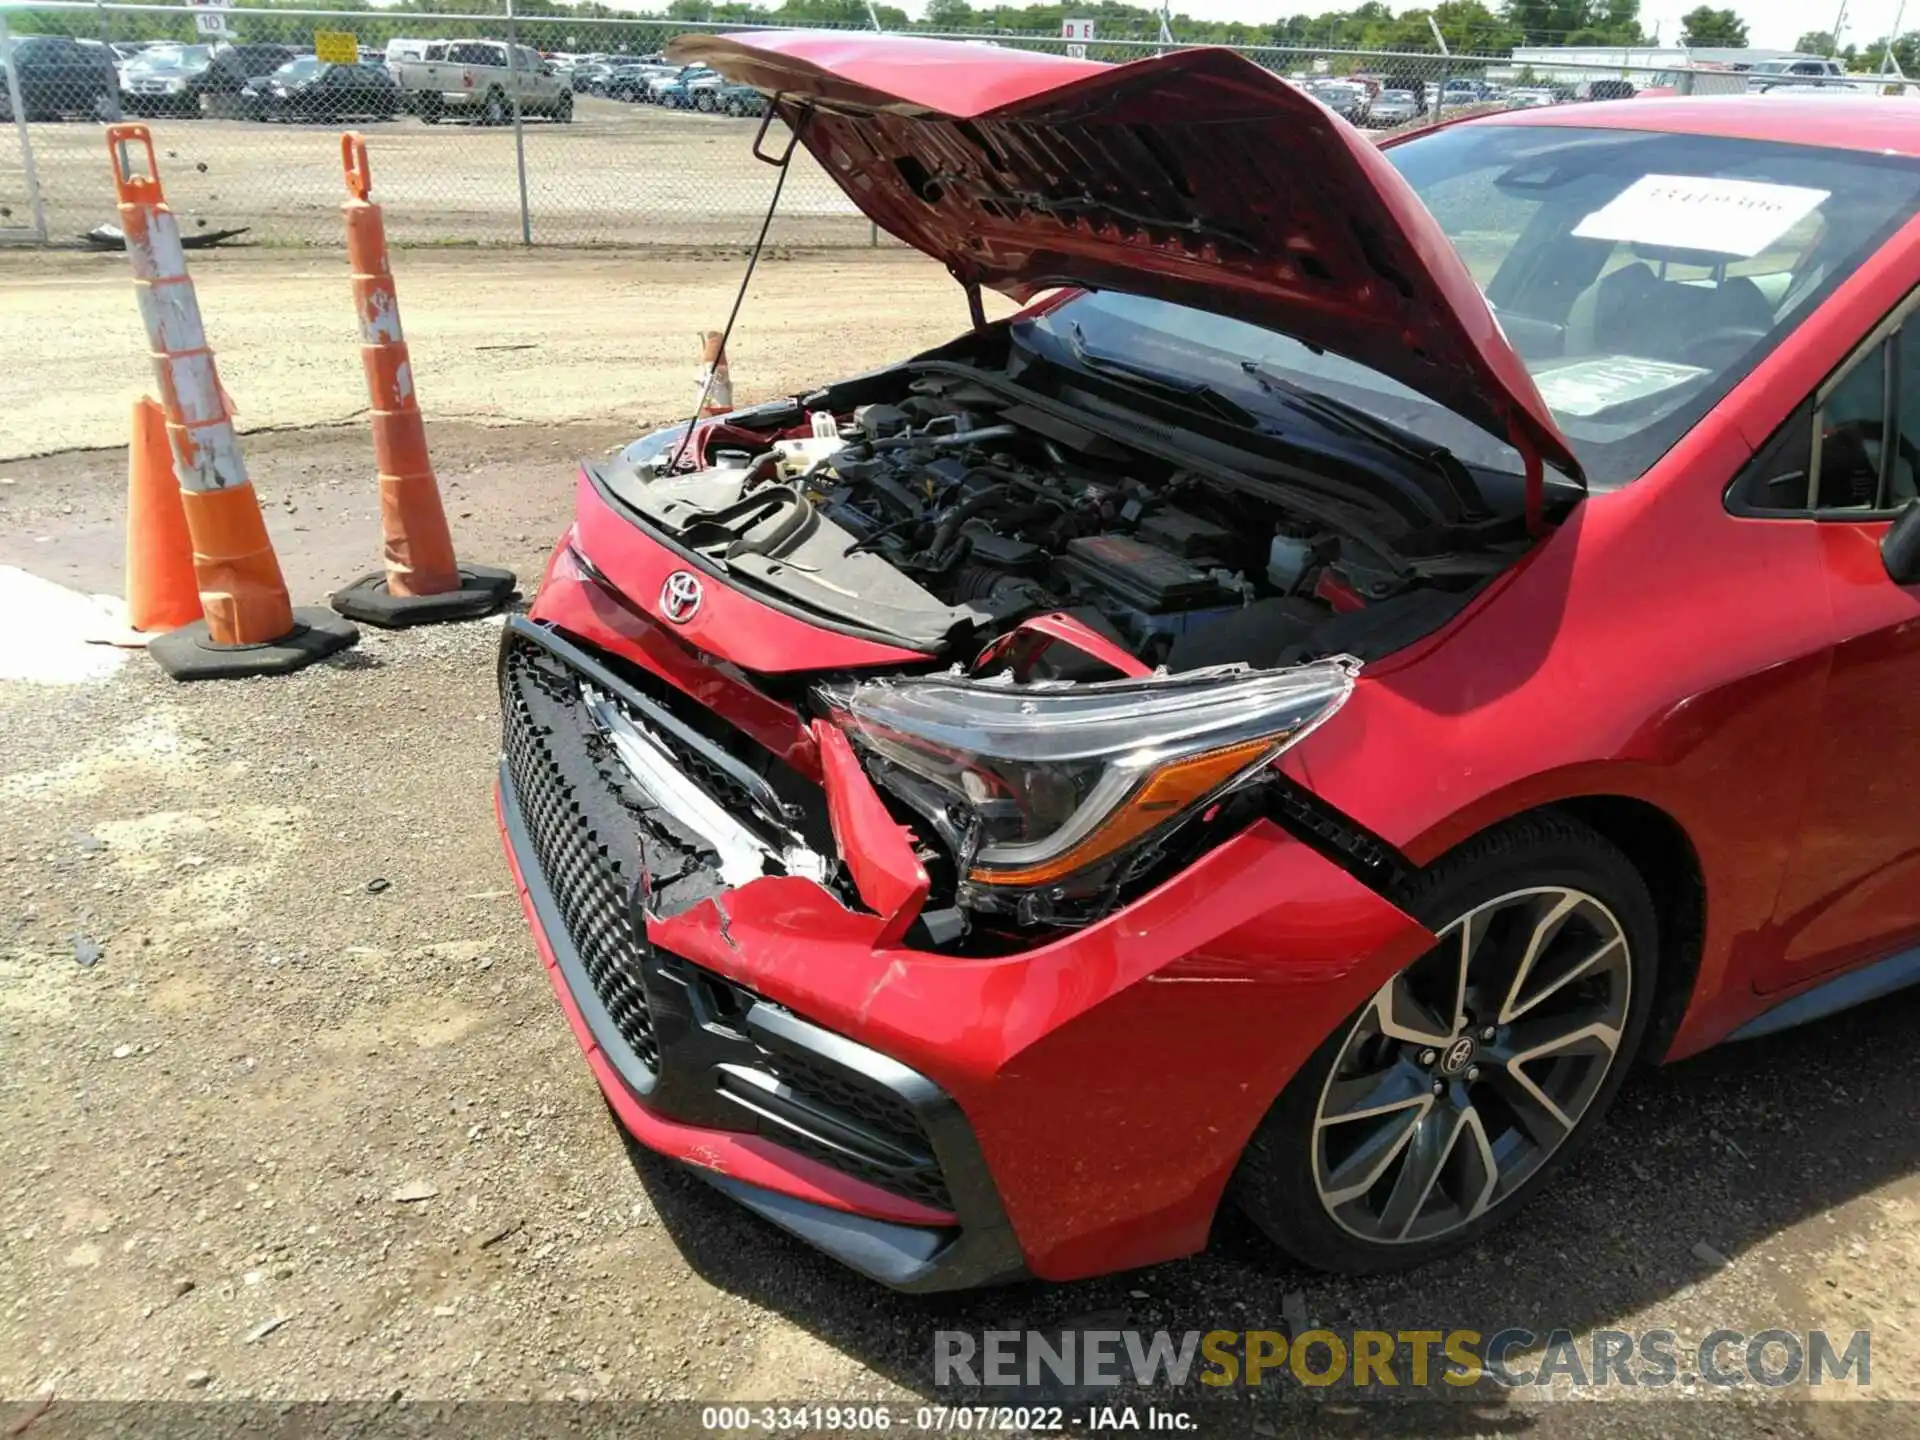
1802,70
1607,90
405,49
1529,98
314,89
675,88
1393,107
166,79
480,79
589,77
232,66
59,77
633,81
172,79
738,100
1414,84
1346,99
1504,670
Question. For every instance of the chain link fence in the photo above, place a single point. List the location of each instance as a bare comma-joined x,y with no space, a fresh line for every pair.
492,128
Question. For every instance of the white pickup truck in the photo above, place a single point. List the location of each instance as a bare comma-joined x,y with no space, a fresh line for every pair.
479,79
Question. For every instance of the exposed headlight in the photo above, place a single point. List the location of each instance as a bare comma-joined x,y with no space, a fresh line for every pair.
1054,790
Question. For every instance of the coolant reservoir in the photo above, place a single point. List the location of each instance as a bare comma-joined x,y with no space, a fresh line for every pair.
802,457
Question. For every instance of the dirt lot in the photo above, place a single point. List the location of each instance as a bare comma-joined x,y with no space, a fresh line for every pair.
618,175
261,977
502,338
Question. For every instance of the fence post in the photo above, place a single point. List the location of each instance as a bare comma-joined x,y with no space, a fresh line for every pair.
19,108
106,38
519,134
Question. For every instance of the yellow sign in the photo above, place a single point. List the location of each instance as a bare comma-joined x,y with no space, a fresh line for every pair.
336,47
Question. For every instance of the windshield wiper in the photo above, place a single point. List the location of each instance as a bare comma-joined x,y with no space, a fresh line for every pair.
1198,391
1435,458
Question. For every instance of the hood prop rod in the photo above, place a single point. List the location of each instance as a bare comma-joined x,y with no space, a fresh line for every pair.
781,166
1536,478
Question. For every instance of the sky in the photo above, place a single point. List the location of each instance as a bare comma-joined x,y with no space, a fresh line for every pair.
1773,23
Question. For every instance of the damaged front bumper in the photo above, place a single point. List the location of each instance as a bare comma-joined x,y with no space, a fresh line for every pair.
845,1147
735,967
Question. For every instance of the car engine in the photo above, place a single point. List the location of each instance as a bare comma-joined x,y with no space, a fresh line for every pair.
950,511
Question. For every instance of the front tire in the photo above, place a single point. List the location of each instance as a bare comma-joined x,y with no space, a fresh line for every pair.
563,108
432,107
1439,1107
495,111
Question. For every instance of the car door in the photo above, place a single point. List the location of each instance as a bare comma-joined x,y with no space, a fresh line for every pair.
1851,891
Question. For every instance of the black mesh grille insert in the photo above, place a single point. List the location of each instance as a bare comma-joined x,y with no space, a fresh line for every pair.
877,1109
586,843
860,1103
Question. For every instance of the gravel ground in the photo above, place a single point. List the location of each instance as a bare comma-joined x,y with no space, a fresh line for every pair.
291,1112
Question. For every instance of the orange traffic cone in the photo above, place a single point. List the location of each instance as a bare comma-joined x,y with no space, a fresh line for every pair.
162,592
422,582
251,627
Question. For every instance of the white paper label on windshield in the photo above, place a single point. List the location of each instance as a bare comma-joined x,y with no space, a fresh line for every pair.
1692,212
1586,387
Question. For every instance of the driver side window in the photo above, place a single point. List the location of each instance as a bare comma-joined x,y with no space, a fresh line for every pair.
1853,451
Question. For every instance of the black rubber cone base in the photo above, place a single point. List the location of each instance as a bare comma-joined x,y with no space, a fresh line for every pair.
190,653
483,590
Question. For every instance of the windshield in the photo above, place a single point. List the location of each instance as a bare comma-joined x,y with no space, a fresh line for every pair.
1639,276
173,57
302,69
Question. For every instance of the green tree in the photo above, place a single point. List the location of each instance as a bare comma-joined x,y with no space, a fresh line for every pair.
949,15
1815,42
1703,25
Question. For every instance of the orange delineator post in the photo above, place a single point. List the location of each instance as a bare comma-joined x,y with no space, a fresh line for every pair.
241,588
251,627
417,544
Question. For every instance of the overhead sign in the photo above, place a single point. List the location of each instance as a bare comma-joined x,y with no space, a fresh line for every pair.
210,16
336,47
1076,33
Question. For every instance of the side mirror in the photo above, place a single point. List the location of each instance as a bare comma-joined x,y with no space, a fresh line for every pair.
1900,546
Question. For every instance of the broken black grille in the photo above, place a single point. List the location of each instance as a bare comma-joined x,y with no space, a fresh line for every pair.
586,843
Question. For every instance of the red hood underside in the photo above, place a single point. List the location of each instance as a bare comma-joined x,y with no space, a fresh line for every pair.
1195,177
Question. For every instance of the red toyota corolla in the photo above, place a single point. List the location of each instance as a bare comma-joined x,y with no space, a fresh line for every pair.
1391,638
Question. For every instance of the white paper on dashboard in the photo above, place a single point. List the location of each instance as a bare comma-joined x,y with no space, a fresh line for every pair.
1586,387
1692,212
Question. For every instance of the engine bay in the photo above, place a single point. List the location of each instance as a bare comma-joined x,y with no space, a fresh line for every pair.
947,513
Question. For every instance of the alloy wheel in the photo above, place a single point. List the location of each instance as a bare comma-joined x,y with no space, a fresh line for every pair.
1470,1067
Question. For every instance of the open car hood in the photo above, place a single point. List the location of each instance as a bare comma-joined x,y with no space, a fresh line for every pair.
1195,177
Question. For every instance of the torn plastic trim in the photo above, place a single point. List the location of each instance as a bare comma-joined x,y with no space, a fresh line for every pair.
743,855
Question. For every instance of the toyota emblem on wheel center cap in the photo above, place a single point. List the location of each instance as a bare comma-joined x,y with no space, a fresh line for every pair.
1457,1056
680,596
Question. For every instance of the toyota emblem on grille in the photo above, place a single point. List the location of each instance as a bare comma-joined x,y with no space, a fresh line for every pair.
680,597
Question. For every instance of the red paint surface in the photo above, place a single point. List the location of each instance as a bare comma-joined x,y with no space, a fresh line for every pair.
1752,680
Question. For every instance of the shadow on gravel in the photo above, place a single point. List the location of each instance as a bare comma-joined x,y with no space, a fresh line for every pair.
1726,1150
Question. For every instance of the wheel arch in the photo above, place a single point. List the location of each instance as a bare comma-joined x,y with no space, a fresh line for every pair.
1659,847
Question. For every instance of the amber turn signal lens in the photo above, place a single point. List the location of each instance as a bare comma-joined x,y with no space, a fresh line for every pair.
1164,794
